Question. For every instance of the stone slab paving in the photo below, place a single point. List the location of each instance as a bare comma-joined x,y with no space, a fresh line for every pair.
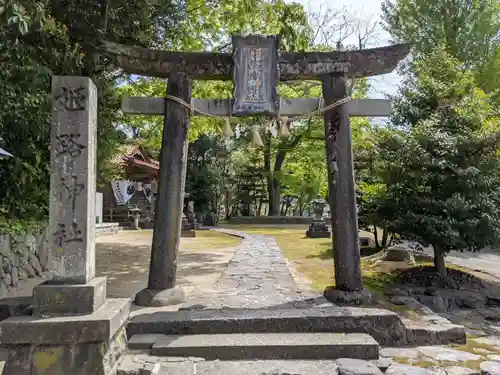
256,277
142,364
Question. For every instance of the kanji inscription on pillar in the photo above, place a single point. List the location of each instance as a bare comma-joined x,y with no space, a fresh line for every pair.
255,75
72,183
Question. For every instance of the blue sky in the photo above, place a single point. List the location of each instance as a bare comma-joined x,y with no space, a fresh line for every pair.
363,9
367,10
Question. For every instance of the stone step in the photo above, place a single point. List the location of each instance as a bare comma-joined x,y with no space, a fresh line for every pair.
142,365
386,327
248,346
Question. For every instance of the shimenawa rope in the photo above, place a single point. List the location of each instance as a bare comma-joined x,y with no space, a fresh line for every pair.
282,120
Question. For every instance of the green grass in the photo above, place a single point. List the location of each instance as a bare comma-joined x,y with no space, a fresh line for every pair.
209,239
312,257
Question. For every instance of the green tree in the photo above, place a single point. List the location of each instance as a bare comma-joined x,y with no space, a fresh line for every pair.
202,29
207,30
371,188
208,173
37,41
466,34
306,175
16,17
468,30
439,162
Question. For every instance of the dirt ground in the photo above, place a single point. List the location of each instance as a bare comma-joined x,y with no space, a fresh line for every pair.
124,259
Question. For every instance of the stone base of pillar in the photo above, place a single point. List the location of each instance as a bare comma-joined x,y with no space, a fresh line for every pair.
160,297
318,229
317,234
52,299
79,345
188,233
337,296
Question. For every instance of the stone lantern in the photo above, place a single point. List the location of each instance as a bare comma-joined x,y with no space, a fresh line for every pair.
318,208
188,221
318,228
135,212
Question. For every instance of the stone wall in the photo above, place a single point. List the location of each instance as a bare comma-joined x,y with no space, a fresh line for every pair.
272,220
23,256
106,228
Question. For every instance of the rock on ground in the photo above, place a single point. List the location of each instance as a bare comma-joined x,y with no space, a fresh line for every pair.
348,366
489,340
383,363
398,369
441,353
399,352
490,368
454,370
398,254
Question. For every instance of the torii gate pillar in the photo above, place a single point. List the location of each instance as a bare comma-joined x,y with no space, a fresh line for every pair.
342,197
162,289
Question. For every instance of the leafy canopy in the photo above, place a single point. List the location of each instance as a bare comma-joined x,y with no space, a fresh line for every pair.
439,161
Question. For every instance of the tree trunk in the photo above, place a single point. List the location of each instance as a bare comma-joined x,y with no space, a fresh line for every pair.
391,240
275,196
273,205
286,209
385,236
274,176
227,208
259,210
375,234
439,262
274,188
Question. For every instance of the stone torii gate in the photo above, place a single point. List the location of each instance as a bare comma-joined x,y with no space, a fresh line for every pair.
255,66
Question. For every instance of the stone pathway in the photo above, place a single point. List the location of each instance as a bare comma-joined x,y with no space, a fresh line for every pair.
256,277
486,261
143,364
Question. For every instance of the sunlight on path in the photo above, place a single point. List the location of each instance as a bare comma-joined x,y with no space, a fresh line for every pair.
124,259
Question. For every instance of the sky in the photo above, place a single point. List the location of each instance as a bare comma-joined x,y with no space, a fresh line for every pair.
369,10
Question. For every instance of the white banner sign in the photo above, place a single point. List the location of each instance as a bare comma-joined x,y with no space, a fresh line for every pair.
123,191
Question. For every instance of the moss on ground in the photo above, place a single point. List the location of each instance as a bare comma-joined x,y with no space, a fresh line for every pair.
209,239
313,257
471,346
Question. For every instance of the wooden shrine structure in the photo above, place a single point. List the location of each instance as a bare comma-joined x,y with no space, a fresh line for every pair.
255,66
137,166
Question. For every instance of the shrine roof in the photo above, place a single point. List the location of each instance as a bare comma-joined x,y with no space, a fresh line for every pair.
134,155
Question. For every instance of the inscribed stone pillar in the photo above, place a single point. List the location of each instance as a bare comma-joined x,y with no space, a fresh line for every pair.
73,179
74,288
161,289
74,329
338,137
